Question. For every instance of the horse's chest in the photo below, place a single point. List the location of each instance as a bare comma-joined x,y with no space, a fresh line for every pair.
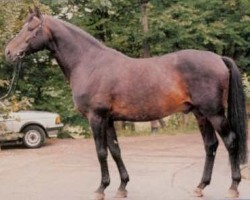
81,103
86,103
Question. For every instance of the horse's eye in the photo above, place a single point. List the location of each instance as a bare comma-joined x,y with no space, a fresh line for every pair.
30,29
27,40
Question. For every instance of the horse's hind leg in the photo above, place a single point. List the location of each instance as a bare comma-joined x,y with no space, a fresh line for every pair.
116,154
221,124
99,126
210,144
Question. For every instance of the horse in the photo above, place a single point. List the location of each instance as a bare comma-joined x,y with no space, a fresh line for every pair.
108,86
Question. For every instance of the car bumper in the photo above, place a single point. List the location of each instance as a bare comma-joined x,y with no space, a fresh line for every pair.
53,131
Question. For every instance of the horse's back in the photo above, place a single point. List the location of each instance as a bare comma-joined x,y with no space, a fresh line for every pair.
207,60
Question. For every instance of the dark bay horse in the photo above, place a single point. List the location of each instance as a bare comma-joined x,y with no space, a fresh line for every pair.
108,86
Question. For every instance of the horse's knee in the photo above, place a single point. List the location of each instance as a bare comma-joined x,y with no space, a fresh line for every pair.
212,148
102,154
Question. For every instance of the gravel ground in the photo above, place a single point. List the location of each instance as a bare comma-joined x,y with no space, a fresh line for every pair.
160,167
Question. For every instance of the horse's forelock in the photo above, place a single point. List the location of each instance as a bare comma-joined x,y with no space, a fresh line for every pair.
29,18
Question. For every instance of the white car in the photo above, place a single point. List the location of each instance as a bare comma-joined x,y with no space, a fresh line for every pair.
29,127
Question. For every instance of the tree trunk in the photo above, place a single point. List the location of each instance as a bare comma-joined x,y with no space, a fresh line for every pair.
146,47
144,22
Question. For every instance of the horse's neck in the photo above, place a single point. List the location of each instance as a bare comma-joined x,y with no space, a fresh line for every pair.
72,47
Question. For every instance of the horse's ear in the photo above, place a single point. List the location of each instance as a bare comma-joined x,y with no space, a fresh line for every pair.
30,10
37,12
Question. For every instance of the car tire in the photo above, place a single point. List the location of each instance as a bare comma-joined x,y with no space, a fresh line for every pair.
34,136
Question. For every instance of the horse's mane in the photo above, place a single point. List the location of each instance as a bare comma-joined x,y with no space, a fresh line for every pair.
80,31
87,37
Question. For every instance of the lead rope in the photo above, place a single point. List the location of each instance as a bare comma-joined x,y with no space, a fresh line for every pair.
14,80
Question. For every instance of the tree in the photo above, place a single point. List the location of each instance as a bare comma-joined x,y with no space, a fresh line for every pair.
221,26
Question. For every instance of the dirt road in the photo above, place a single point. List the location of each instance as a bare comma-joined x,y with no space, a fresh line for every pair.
160,168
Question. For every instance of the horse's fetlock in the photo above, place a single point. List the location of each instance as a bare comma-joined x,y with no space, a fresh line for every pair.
106,182
206,182
237,179
125,177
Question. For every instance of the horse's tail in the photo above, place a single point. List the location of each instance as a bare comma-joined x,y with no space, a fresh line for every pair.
237,109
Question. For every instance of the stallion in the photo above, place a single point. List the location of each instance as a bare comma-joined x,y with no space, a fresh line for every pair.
108,86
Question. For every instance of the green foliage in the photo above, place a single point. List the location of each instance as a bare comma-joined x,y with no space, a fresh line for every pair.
246,83
181,121
217,25
117,23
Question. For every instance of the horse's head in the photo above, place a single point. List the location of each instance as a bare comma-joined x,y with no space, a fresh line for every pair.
30,39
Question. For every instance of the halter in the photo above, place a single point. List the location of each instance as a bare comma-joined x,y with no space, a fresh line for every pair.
14,80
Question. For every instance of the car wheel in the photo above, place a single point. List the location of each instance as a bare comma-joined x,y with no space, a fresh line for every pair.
34,136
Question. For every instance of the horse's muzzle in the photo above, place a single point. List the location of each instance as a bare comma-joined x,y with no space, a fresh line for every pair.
12,56
7,54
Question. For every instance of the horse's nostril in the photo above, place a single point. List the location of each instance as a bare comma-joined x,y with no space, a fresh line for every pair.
7,53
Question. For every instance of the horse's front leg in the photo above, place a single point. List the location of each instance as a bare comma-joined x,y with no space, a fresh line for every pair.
99,126
116,154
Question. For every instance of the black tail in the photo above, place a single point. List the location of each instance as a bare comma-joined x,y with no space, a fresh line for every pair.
237,109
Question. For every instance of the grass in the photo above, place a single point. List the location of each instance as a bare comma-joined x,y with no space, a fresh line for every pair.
175,124
161,131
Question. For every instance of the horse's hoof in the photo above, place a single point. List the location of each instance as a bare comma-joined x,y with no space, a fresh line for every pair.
99,196
121,194
198,192
232,194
